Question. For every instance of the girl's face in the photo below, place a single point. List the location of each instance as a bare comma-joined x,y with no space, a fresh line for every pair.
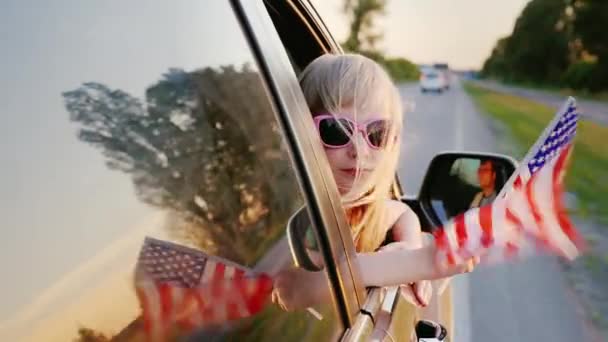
361,154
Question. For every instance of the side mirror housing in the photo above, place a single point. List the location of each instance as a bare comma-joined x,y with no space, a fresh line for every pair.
302,240
458,181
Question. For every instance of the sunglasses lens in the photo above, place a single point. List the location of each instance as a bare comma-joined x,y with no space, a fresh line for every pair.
335,132
377,133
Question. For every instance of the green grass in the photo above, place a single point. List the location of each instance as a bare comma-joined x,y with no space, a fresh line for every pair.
525,120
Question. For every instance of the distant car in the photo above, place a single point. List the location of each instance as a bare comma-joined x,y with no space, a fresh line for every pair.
432,80
444,69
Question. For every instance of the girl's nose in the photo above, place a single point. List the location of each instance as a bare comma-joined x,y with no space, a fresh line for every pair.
358,147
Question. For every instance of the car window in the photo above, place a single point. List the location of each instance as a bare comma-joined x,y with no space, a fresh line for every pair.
303,38
133,130
302,44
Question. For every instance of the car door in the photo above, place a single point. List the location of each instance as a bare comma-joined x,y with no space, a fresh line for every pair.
150,122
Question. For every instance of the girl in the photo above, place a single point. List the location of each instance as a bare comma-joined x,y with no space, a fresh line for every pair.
358,116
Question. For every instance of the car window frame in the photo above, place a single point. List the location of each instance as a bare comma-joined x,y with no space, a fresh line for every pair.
375,302
309,161
359,315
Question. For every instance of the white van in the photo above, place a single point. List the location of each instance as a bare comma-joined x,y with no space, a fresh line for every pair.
432,79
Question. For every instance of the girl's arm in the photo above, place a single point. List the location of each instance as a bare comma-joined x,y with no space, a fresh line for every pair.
407,228
406,231
297,288
395,267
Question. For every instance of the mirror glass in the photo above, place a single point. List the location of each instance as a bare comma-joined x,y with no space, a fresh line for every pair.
303,242
456,184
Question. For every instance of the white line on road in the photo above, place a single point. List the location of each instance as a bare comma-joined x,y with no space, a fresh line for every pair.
459,125
462,308
462,295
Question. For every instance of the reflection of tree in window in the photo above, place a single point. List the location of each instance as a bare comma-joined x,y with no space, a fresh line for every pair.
206,146
90,335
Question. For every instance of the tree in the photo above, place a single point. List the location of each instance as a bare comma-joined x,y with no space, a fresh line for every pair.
591,17
555,42
537,50
589,24
363,35
497,64
401,69
195,148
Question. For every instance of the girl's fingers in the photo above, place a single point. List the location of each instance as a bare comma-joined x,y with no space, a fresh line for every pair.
422,293
472,263
418,294
275,298
408,292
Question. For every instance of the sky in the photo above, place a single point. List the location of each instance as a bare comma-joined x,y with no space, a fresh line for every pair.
459,32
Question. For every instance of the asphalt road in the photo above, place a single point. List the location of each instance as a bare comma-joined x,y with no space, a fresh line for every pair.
526,301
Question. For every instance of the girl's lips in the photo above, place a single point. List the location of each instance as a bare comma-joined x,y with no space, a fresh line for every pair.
353,172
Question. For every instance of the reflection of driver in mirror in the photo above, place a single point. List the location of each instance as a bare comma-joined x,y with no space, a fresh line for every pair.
486,174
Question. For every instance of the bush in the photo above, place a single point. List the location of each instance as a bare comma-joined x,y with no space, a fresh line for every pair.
401,69
579,75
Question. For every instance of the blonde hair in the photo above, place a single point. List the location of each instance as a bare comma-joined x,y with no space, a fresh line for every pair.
332,82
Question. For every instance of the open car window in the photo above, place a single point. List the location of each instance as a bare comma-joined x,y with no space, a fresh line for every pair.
297,32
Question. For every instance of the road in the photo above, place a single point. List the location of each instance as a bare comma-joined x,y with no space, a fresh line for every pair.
596,111
527,301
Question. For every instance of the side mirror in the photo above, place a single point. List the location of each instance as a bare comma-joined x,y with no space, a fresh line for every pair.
458,181
303,242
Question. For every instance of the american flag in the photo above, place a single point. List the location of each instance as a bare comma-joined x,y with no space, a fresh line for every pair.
529,214
558,133
180,287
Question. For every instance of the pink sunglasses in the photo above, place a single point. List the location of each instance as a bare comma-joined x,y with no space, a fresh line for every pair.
337,132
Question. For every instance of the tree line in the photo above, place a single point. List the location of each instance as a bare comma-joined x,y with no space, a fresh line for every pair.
364,36
555,42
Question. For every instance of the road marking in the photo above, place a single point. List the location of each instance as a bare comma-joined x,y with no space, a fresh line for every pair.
462,308
459,125
462,295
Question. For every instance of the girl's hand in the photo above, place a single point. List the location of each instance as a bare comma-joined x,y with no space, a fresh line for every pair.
296,288
440,271
418,293
466,267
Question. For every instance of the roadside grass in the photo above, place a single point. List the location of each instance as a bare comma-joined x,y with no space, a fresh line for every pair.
524,119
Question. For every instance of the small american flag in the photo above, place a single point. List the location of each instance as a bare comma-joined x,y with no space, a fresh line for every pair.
186,288
529,213
558,133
